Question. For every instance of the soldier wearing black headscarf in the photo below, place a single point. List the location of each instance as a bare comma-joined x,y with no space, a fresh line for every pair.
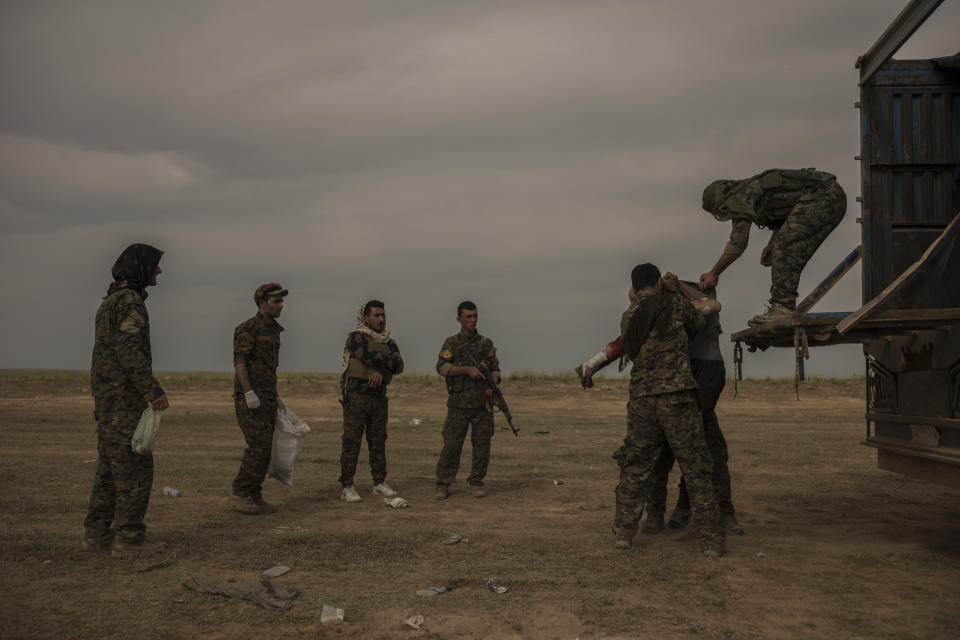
123,385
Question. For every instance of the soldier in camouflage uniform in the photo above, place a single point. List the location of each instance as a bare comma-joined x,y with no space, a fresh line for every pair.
802,206
709,372
468,402
256,355
663,409
123,385
370,360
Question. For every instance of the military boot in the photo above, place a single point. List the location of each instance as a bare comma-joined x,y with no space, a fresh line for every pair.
622,540
265,507
728,522
478,491
97,545
653,523
245,505
776,311
442,492
712,550
679,518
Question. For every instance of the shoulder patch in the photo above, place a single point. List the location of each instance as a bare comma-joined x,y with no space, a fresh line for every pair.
132,323
447,354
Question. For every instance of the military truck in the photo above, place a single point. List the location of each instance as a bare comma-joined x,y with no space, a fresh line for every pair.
909,323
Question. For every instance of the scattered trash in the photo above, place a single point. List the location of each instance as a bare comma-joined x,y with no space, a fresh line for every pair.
414,622
181,601
331,614
541,433
173,493
260,592
397,503
558,482
432,591
47,561
287,530
761,554
274,572
415,421
454,539
89,461
496,585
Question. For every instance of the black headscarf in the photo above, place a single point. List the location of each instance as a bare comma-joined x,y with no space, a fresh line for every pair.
135,268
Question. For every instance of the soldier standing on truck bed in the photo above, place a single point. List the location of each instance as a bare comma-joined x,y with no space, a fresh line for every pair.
802,206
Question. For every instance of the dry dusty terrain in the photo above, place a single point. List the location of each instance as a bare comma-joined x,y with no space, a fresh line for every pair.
834,547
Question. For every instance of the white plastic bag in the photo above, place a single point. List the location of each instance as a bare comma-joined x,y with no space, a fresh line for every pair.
287,440
146,434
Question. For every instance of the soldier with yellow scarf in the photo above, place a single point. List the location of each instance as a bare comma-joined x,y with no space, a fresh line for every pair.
370,360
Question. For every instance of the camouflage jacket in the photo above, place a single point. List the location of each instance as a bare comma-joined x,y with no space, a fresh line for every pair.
765,200
663,363
366,355
464,391
122,366
256,343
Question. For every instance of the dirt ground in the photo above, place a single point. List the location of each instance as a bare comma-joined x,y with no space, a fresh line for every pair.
834,548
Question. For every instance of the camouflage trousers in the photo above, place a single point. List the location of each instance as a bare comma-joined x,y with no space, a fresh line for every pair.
257,427
121,487
364,413
810,221
711,377
653,424
459,419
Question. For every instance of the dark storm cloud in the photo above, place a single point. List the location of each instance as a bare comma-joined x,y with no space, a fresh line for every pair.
523,154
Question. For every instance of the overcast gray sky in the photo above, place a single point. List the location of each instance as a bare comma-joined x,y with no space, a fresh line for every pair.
521,154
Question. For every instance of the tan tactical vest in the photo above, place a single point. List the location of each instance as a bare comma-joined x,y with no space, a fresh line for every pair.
357,369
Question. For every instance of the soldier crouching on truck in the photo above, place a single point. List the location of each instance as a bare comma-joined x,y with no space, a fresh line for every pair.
370,360
802,206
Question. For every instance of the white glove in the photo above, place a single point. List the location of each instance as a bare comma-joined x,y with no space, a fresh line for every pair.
252,400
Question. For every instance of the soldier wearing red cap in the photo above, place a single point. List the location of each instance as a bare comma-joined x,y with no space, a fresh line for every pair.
256,352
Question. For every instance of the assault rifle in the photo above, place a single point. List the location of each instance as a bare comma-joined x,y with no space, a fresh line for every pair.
498,400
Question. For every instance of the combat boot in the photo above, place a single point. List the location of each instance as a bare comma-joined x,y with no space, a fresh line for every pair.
265,507
442,492
776,311
245,505
478,491
728,522
712,550
622,540
679,518
653,523
96,545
